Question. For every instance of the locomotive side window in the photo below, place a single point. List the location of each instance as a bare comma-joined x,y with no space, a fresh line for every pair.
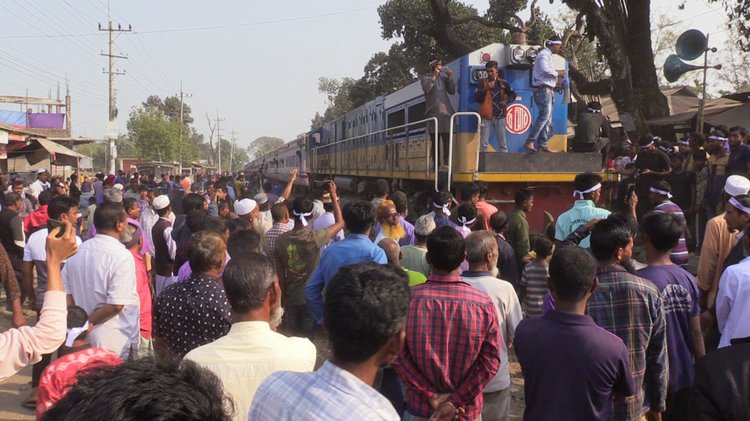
395,119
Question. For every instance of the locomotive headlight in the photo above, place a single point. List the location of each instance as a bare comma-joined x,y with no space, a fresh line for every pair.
531,54
518,54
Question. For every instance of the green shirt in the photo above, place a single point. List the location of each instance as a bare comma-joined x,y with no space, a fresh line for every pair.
415,278
518,233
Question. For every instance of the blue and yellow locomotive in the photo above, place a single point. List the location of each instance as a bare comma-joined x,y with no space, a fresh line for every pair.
389,137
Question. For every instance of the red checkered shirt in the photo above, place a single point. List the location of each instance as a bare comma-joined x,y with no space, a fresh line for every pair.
452,346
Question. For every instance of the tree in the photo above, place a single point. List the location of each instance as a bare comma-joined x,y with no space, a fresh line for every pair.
232,161
264,145
623,31
736,64
337,96
154,137
738,12
170,106
439,28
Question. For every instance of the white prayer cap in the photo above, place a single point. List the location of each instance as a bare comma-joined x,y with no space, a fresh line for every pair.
736,185
244,206
41,171
161,202
118,186
424,225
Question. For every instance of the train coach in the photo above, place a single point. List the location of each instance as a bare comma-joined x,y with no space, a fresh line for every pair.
389,137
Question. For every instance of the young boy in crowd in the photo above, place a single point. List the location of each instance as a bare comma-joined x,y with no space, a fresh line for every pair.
679,295
534,278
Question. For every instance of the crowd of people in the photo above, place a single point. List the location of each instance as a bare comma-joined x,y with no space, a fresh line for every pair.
214,298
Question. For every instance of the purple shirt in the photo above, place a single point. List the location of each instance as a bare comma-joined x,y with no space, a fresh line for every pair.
548,303
678,291
585,355
738,160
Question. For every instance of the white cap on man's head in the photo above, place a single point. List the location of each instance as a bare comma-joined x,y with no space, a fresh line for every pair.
244,206
161,202
41,170
118,186
261,198
736,185
424,225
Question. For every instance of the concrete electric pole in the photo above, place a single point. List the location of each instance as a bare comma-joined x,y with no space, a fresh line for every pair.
218,137
111,129
182,120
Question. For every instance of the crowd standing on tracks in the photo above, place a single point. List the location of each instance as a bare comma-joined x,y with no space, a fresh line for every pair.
178,298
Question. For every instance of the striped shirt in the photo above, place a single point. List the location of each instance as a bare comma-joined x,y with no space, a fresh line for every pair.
534,278
330,394
630,307
678,255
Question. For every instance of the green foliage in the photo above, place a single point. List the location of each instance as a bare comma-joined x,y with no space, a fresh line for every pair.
231,161
170,106
337,96
413,22
155,137
264,145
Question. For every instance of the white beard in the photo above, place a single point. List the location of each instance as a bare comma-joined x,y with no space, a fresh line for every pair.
277,315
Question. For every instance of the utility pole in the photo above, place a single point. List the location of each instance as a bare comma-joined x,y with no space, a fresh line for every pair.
231,155
218,137
111,131
182,121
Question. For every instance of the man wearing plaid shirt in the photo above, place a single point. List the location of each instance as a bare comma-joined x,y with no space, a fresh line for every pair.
629,307
280,215
452,347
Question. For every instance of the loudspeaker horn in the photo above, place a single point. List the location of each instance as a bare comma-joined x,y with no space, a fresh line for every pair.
691,44
674,68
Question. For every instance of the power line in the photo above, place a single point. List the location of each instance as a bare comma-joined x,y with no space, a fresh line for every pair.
207,28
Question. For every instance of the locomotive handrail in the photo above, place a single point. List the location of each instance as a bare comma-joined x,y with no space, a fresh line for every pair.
380,131
450,146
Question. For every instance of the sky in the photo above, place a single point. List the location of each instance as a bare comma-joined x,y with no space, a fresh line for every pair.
253,63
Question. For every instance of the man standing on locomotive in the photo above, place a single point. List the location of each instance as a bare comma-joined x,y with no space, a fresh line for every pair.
544,79
494,94
437,86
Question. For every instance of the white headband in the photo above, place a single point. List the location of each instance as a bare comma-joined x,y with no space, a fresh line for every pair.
736,203
464,222
648,146
716,137
661,192
554,42
302,217
683,142
592,189
74,333
443,207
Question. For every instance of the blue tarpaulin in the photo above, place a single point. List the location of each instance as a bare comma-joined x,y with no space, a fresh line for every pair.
14,118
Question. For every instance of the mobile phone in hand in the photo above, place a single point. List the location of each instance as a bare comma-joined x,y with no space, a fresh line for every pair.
53,223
